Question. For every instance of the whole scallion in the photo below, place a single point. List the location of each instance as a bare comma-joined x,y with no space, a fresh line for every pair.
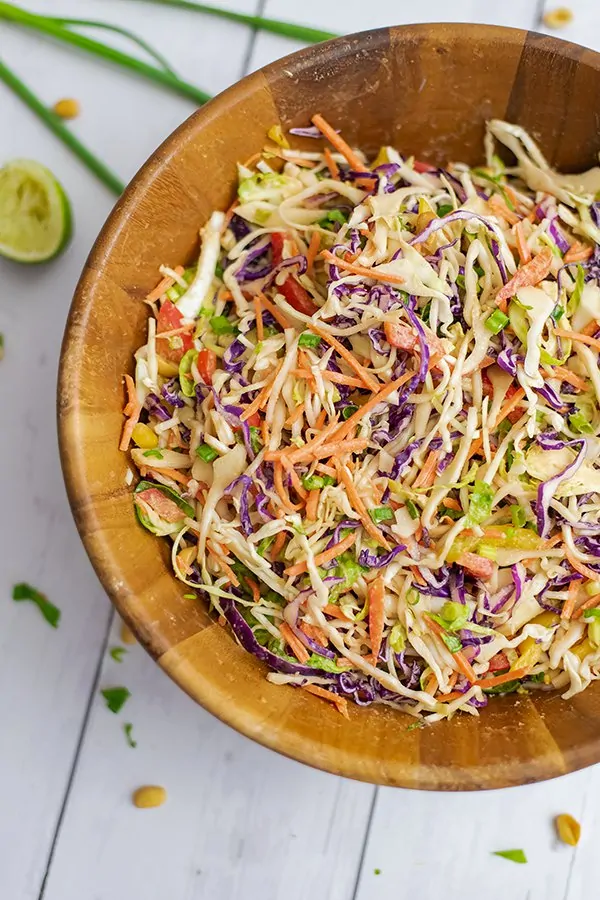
275,26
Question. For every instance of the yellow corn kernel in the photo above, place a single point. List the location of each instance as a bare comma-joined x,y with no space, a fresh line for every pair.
381,159
149,796
529,650
165,368
547,619
568,829
558,18
144,437
67,108
127,635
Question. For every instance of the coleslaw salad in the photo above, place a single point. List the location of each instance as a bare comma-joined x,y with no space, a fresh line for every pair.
368,421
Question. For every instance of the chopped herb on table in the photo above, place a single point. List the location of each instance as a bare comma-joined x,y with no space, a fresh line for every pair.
116,698
117,653
127,728
50,612
516,856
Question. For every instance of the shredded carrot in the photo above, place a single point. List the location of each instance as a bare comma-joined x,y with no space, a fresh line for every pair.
569,604
279,487
577,252
461,660
364,376
132,400
133,412
417,575
340,703
312,505
522,245
163,285
552,542
334,169
314,633
324,557
173,474
431,685
563,374
325,470
313,250
530,274
499,208
298,648
277,545
339,447
358,505
502,679
578,336
376,595
299,453
184,328
590,602
448,698
297,414
294,478
223,565
320,420
275,312
339,143
451,503
508,407
364,271
264,430
591,328
343,430
426,476
579,566
263,397
326,375
260,331
335,612
254,588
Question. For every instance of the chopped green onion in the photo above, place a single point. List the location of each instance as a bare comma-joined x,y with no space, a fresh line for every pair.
592,588
381,514
219,270
50,612
117,653
591,614
444,208
154,452
412,509
264,545
558,312
208,454
190,597
480,502
116,698
308,339
412,596
349,411
127,728
333,217
452,642
397,637
580,423
255,439
316,482
222,325
518,516
497,321
517,856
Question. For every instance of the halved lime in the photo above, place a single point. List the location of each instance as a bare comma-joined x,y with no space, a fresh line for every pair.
35,213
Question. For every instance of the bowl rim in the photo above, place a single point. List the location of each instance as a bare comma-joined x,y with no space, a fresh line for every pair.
71,454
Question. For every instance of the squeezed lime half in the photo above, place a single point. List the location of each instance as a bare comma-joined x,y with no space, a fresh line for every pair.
35,213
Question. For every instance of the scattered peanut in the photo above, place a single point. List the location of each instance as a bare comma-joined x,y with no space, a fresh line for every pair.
568,829
67,108
127,635
149,796
558,18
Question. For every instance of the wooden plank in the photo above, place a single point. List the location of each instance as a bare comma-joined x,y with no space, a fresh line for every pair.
240,822
46,675
583,29
356,15
438,846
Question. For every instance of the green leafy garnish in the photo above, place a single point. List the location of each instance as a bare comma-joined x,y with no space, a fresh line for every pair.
207,453
255,439
222,325
154,452
116,698
190,597
591,614
480,502
444,208
50,612
316,482
127,728
117,653
517,856
322,662
580,423
518,516
381,514
452,643
558,312
333,217
309,340
412,509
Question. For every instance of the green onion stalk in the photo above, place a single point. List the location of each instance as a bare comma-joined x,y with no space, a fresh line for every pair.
275,26
61,30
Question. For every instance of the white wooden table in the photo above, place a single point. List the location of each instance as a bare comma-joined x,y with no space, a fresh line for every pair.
241,823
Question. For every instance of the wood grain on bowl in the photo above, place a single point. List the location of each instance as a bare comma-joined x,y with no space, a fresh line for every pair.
428,90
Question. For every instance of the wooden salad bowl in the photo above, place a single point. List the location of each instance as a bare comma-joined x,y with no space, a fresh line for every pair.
426,89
